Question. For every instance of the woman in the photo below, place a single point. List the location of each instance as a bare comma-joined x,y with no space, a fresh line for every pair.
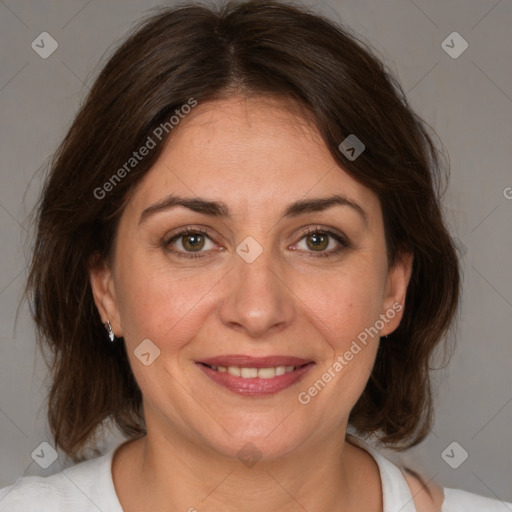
243,207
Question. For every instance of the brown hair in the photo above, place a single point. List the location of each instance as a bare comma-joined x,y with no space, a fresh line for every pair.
264,48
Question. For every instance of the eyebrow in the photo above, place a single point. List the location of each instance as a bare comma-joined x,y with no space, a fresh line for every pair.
220,209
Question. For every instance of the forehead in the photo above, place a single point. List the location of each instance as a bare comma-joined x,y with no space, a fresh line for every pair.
250,153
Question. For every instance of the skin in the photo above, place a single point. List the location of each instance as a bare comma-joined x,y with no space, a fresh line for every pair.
257,156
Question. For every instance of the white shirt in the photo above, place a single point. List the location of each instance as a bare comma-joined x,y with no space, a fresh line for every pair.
88,487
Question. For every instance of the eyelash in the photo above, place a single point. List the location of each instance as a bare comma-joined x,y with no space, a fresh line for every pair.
344,244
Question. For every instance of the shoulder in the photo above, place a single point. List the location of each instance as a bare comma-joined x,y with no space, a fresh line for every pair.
80,488
430,497
44,494
457,500
427,496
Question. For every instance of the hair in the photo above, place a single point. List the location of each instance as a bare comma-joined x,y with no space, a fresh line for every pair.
259,48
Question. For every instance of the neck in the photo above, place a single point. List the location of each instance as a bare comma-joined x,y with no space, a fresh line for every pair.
172,472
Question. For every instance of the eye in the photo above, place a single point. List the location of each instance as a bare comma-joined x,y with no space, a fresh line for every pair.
195,242
189,241
324,242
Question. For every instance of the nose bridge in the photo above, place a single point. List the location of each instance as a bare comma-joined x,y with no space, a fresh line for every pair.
256,299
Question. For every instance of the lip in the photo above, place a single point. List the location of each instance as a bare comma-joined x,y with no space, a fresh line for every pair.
254,362
255,386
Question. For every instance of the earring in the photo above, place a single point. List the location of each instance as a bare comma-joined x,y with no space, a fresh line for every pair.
111,334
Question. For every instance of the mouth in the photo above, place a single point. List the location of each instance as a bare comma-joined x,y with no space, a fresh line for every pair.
250,376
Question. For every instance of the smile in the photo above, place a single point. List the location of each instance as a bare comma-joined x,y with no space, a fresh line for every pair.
254,373
250,376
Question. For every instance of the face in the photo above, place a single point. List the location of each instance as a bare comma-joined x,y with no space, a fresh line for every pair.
253,283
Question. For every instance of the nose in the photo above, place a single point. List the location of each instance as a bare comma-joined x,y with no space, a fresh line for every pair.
257,301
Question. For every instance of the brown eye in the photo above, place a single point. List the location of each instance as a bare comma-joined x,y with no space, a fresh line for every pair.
193,242
323,242
317,241
189,243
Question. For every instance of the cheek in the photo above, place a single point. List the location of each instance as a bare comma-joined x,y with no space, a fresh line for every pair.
158,304
344,303
344,309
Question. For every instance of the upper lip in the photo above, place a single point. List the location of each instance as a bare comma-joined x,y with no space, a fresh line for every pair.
247,361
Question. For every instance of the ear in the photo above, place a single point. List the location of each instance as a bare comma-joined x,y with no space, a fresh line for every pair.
395,292
104,294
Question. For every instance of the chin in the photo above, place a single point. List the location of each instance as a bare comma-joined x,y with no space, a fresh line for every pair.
256,438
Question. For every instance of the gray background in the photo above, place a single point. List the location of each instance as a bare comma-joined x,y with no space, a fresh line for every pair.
467,100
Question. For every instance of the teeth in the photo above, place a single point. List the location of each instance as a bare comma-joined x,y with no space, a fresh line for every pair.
252,373
248,373
267,373
234,370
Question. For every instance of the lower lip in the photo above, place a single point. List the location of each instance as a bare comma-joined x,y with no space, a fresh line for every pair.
256,386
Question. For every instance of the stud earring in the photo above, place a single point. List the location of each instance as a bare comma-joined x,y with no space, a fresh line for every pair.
110,331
